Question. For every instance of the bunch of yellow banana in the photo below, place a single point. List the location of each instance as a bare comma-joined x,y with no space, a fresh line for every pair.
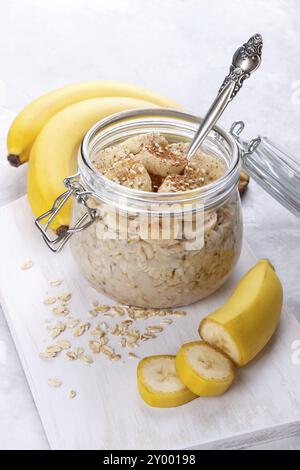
49,130
54,154
31,120
234,334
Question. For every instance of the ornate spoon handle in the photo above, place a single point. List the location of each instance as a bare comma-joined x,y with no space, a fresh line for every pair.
245,61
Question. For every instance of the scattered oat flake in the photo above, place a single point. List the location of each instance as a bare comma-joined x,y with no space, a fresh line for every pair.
72,394
55,332
102,308
103,340
57,329
49,300
47,355
179,313
72,323
65,297
81,329
167,321
26,265
86,358
93,313
54,348
63,343
71,356
61,311
54,382
115,357
154,329
108,315
133,333
95,346
97,333
131,355
115,330
147,336
120,310
55,283
107,350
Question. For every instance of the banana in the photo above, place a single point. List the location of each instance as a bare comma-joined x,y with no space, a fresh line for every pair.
204,370
129,173
243,326
30,121
161,159
54,153
152,150
159,384
176,183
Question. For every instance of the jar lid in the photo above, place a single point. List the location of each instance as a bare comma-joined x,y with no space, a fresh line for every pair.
271,167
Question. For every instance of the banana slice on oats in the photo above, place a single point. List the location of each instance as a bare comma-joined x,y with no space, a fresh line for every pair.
130,173
204,370
159,384
162,160
176,183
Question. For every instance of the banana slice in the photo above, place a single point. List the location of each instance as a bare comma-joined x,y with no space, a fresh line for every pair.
130,173
245,323
162,159
159,384
204,168
204,370
104,159
176,183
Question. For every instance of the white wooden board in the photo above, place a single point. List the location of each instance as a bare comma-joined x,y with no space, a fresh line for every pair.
263,404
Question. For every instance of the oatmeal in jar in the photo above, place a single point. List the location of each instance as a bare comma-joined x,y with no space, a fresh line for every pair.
119,254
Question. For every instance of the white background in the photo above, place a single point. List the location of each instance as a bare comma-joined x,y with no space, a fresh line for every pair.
181,48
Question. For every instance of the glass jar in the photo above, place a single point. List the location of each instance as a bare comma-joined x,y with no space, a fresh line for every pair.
157,250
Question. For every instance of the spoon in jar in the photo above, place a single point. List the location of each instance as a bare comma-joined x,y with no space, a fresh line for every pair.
245,61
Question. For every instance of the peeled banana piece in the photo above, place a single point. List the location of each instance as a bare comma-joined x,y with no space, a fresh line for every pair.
31,120
54,153
204,370
243,326
159,384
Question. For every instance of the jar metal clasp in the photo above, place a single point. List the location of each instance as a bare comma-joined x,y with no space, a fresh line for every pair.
246,149
76,190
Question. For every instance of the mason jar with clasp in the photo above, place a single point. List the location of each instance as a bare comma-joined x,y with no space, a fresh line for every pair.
162,250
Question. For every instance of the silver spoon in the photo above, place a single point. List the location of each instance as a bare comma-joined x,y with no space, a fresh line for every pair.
244,62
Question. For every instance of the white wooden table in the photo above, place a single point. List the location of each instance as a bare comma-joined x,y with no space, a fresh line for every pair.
169,47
